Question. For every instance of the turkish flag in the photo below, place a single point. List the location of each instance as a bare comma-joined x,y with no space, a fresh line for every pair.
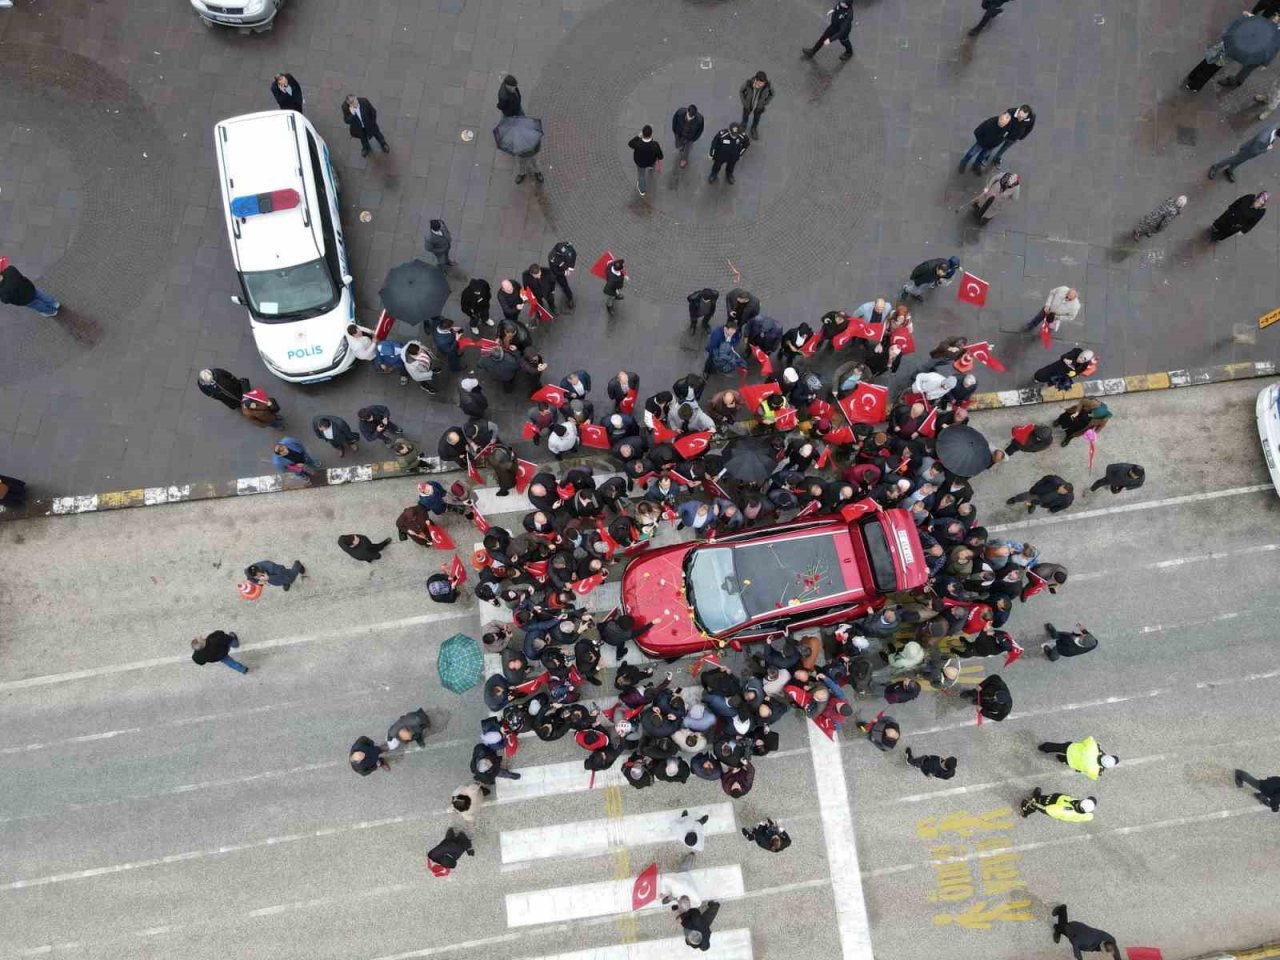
858,328
593,435
536,569
565,491
661,432
457,572
826,723
678,477
810,348
526,470
808,510
536,309
440,538
972,289
465,342
645,888
486,344
766,366
528,431
903,340
714,488
1013,655
1046,335
930,426
602,264
869,403
982,353
587,584
840,437
4,263
475,475
482,523
610,544
754,394
852,511
550,393
628,403
383,330
692,444
825,458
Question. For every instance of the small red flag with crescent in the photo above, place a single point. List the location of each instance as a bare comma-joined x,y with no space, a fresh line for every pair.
981,353
536,569
869,403
840,437
480,520
1046,335
972,289
809,349
602,264
809,509
528,431
766,365
858,328
753,394
440,538
661,432
852,511
628,403
692,444
903,340
457,572
587,584
929,427
645,888
526,470
550,393
593,435
475,475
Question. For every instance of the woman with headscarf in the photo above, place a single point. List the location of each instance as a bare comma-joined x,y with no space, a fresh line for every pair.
1241,217
1000,189
1159,218
1088,414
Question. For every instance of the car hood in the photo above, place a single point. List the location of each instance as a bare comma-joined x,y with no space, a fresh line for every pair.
300,346
655,581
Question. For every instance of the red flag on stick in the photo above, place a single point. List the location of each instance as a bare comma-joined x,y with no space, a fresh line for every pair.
762,358
981,352
930,426
587,584
661,432
753,394
628,403
440,538
903,340
858,328
809,509
691,445
602,264
972,289
457,572
526,470
475,475
380,332
869,403
645,888
528,431
482,523
810,348
1046,335
593,435
550,393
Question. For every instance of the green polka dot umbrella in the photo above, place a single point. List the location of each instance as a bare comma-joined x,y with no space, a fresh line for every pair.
461,663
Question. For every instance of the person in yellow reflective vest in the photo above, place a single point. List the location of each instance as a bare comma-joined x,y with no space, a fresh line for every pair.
1083,755
1059,806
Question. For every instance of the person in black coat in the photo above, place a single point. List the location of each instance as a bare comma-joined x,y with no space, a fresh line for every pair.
366,756
646,153
1066,368
687,125
359,547
1068,643
287,91
510,103
474,301
561,261
1050,491
216,648
933,765
987,136
839,25
1241,217
471,398
336,432
702,306
454,845
16,290
727,148
452,447
741,307
1268,789
1121,476
697,922
542,284
990,10
1024,121
767,835
1082,938
992,696
615,275
223,386
362,119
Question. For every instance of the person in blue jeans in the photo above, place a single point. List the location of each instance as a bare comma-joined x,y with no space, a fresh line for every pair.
215,648
987,136
267,573
16,290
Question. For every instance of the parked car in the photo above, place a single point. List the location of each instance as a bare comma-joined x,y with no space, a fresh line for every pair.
760,584
1267,411
254,15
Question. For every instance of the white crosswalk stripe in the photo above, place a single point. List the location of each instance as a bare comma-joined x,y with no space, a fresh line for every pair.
583,900
591,838
554,779
725,945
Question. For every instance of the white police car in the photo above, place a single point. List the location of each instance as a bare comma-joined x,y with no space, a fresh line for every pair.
280,198
1267,411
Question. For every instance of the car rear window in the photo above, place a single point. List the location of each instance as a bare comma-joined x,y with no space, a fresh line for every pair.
880,556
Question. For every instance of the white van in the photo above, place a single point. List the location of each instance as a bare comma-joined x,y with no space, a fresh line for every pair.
280,198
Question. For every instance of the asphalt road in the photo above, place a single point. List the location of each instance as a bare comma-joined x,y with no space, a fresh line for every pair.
153,809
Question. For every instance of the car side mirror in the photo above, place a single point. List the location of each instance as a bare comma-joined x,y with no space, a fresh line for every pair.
237,301
347,280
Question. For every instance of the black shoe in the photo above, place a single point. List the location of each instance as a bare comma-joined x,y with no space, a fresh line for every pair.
712,178
807,53
538,176
728,178
569,305
618,296
1231,177
1048,630
1229,82
302,571
520,177
386,147
1239,778
1213,172
747,833
364,151
846,56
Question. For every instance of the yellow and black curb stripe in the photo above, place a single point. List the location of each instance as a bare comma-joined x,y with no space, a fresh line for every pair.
361,473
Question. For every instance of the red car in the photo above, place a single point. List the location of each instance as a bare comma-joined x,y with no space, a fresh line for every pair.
759,584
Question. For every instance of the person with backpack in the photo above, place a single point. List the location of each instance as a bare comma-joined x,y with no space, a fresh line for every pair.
722,350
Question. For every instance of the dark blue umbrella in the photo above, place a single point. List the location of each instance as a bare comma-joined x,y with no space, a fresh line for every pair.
519,136
414,292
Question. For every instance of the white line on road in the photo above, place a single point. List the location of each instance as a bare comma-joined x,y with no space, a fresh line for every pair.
1066,517
346,633
842,848
593,838
554,779
611,897
1178,561
725,945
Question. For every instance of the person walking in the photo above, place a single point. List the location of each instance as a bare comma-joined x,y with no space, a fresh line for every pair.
1050,492
615,276
1120,477
1083,939
223,386
767,835
1160,217
1059,806
1087,413
359,547
561,261
1268,790
929,275
933,765
727,148
268,573
1063,303
410,728
696,921
260,408
542,285
510,102
1242,216
1000,189
755,94
376,424
466,800
474,301
1263,141
291,456
287,91
17,291
702,306
438,240
647,154
445,337
839,26
1083,756
990,10
1068,643
443,858
336,432
216,648
987,137
686,126
1261,37
365,756
362,120
1024,121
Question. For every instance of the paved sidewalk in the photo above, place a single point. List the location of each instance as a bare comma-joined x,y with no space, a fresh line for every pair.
108,195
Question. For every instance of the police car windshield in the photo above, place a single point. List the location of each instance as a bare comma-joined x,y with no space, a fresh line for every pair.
290,293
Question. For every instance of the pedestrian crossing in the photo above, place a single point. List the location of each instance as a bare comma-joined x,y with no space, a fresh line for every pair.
594,838
725,945
581,901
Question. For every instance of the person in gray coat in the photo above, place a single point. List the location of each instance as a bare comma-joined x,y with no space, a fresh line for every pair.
438,241
336,432
410,728
755,95
1261,142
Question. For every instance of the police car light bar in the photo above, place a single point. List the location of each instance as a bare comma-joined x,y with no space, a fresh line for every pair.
250,206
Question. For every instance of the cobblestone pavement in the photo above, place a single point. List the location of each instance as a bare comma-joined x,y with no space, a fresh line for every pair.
108,194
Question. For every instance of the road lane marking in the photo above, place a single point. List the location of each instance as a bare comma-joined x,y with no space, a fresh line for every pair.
593,838
842,849
1067,517
1178,561
611,897
725,945
554,779
346,633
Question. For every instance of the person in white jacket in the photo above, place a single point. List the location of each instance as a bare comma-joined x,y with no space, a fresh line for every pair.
418,365
562,439
1063,304
466,801
360,341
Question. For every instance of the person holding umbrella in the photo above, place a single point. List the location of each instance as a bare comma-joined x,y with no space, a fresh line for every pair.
414,292
1250,41
521,137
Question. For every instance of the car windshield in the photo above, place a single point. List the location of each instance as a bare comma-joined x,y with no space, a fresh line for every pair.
713,590
783,573
880,555
290,293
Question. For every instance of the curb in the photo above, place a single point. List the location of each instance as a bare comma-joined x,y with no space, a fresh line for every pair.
363,473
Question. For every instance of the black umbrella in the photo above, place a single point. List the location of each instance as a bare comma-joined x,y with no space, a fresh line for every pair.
1252,41
963,450
749,460
519,136
414,292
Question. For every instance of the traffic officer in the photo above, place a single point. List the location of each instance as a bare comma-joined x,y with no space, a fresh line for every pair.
1083,755
839,24
561,261
1059,806
727,148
